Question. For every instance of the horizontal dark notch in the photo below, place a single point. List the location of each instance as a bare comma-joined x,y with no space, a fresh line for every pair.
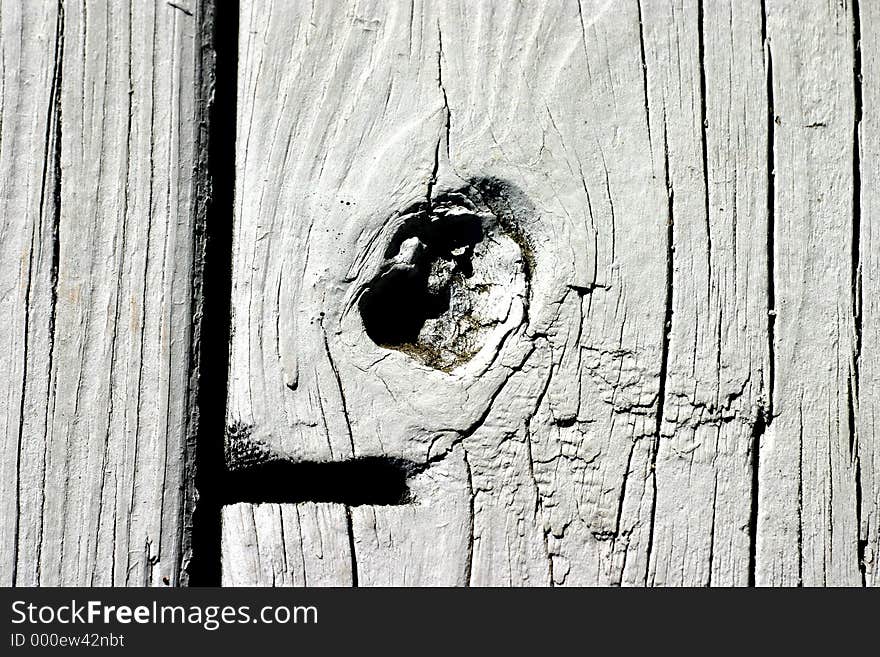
378,481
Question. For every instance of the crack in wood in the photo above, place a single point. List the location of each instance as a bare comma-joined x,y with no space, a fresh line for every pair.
856,276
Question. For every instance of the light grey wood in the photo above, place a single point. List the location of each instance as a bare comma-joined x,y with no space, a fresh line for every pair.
706,97
808,513
662,369
96,171
683,398
425,542
315,549
28,180
867,449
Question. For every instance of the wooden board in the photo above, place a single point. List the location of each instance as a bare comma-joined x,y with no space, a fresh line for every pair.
677,395
96,171
867,293
808,523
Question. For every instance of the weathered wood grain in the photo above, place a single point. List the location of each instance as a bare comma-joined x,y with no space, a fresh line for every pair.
96,168
867,291
425,542
687,393
598,278
29,178
315,550
808,512
707,101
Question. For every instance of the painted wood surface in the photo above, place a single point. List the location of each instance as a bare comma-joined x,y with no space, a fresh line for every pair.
96,172
557,292
684,390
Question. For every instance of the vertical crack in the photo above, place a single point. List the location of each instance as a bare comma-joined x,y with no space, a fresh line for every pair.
712,531
354,564
861,542
861,539
440,56
341,390
644,65
856,284
771,216
857,189
758,429
667,329
218,81
56,175
765,409
469,565
444,136
800,494
704,141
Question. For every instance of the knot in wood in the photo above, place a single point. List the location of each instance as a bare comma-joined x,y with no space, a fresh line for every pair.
451,274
